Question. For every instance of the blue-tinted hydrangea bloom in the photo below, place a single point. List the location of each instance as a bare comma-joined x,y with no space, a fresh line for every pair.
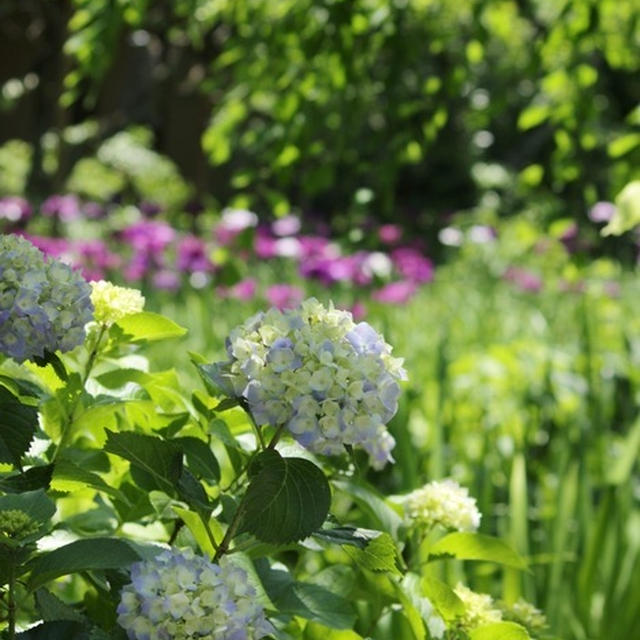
44,305
181,596
330,381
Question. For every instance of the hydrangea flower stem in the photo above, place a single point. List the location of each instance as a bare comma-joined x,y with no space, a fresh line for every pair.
66,427
231,531
11,605
207,528
276,436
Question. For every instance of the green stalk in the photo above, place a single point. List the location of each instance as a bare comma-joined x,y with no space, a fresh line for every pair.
66,426
12,601
223,547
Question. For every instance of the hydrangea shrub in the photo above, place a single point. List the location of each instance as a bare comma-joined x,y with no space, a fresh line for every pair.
180,514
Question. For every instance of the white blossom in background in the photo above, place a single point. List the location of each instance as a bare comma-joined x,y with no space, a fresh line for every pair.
181,596
443,502
332,382
44,305
526,614
111,303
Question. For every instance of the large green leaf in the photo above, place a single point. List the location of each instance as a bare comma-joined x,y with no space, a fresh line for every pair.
155,463
81,555
476,546
309,601
200,458
50,607
18,423
30,480
67,476
500,631
145,325
287,500
35,504
378,555
58,630
443,597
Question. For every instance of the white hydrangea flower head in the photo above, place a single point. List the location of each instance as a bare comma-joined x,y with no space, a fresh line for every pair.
181,596
443,502
480,609
44,305
332,382
526,614
112,303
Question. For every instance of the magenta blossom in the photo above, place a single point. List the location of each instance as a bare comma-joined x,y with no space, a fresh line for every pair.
166,279
149,236
390,233
284,296
412,265
244,290
193,255
232,223
65,208
525,280
396,292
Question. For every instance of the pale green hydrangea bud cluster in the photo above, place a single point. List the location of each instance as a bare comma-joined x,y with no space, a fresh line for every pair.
181,596
479,608
330,381
443,502
526,614
112,303
44,305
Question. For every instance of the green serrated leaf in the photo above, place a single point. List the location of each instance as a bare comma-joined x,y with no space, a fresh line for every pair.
309,601
287,499
378,555
31,480
57,630
68,475
499,631
35,504
353,536
192,492
147,326
476,546
50,607
200,458
155,463
81,555
18,423
443,597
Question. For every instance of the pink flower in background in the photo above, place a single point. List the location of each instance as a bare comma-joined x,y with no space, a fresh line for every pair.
358,311
525,280
602,211
193,255
149,235
287,226
149,209
396,292
390,233
65,208
93,210
54,247
232,223
95,259
264,244
284,296
411,264
166,279
14,209
244,290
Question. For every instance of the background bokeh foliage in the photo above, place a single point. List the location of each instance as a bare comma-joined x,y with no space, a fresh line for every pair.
404,109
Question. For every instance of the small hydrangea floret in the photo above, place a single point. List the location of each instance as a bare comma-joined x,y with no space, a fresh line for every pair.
332,382
44,305
526,614
479,608
181,596
445,503
112,303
